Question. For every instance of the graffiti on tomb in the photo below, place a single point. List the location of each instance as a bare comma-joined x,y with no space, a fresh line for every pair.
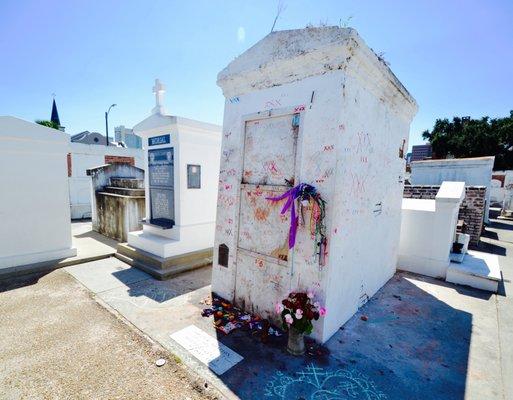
161,182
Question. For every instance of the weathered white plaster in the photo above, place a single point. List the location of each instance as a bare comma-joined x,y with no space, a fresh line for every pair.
83,157
354,119
472,171
428,229
196,143
35,221
499,188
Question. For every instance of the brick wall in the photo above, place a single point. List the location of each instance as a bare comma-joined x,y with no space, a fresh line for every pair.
471,210
119,159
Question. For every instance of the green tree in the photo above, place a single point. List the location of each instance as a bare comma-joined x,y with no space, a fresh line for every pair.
467,137
49,124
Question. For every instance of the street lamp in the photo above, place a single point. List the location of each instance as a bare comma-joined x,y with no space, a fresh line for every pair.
107,124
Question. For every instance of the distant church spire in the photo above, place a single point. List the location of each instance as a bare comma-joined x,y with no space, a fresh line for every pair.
55,114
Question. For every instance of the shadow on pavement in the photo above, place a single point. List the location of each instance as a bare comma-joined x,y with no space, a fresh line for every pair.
411,346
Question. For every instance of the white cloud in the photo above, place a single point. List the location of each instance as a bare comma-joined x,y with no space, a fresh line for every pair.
241,34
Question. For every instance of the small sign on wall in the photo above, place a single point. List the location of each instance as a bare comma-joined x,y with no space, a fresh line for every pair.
158,140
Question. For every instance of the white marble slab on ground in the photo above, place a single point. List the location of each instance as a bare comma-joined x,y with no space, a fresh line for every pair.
483,265
478,270
218,357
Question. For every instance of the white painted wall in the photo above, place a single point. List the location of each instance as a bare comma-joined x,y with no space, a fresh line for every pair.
472,171
428,230
34,200
194,142
353,122
84,156
498,189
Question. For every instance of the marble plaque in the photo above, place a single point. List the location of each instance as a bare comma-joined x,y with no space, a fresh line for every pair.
218,357
161,182
162,201
160,167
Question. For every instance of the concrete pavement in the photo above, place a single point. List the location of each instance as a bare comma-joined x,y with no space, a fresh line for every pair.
421,338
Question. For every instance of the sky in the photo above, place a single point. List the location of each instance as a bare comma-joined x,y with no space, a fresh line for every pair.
455,57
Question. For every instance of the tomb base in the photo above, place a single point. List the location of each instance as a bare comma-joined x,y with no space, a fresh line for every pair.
163,268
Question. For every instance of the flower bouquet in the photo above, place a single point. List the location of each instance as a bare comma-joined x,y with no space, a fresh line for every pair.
297,312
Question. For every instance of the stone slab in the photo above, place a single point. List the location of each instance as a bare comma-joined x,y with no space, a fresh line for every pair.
99,276
207,349
482,265
460,278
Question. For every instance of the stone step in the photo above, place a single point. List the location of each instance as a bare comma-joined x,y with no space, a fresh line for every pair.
124,191
478,270
163,268
132,183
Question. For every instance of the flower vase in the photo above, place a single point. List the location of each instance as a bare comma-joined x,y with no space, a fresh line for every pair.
296,343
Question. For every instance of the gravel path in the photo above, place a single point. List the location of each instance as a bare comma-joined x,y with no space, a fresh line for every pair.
56,342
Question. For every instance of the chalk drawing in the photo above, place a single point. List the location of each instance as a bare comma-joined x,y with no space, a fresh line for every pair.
272,104
227,155
315,383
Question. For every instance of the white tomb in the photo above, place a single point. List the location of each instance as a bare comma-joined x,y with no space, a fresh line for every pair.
34,202
428,231
312,106
182,173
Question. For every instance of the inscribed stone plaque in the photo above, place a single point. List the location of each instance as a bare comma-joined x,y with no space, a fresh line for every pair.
162,203
160,166
158,140
161,170
218,357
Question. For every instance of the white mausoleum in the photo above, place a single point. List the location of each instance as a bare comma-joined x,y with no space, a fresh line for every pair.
313,106
34,200
182,172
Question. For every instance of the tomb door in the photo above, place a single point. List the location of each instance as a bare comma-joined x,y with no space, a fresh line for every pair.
269,170
161,185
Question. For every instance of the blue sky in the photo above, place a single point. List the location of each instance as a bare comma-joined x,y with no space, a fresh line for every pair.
455,57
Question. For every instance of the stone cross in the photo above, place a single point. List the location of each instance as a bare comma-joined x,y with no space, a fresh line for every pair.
159,90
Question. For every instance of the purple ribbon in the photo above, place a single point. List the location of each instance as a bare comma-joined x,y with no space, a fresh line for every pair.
291,196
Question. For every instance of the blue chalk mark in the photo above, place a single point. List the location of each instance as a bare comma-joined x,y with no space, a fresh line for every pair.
315,383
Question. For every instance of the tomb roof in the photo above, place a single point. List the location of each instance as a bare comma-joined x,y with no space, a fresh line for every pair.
290,55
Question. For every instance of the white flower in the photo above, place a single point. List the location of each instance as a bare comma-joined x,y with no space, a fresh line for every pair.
299,313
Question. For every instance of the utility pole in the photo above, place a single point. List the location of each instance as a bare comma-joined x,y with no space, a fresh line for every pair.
107,124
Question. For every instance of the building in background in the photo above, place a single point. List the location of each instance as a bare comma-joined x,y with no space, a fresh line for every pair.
87,137
128,137
421,152
55,117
